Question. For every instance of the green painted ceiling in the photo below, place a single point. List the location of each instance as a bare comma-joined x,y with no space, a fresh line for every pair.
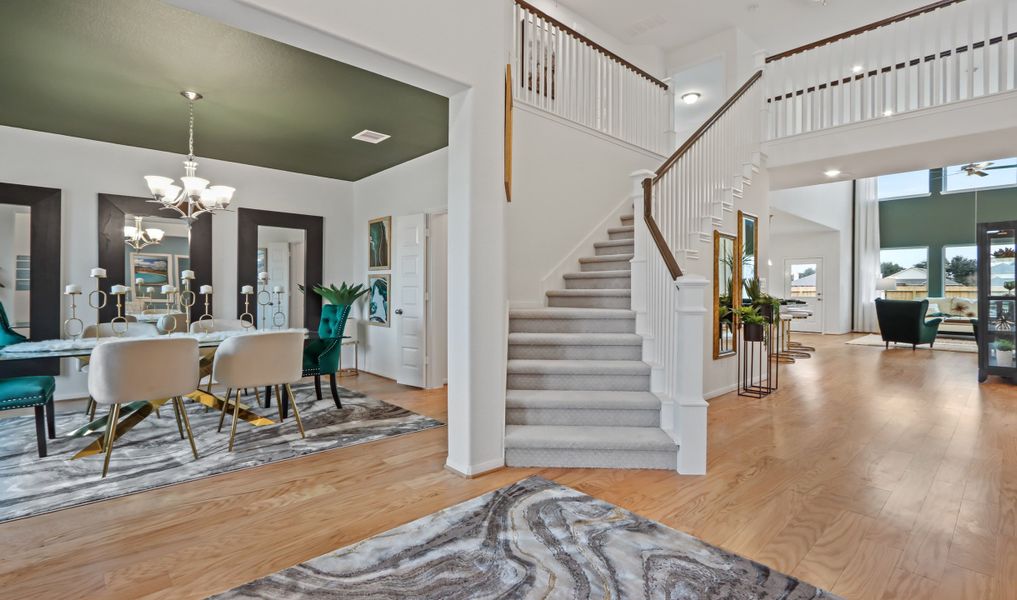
112,70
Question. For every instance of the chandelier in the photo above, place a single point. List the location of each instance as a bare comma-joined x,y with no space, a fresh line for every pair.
194,197
139,237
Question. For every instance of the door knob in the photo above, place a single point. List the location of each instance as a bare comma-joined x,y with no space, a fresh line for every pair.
398,311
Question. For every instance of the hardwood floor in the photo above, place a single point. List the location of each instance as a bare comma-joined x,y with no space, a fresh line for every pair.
876,474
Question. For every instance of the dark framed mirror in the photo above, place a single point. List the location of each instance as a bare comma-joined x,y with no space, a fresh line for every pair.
30,290
725,296
154,264
290,248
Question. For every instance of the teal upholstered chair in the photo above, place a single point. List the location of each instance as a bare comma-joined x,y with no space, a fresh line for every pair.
321,356
28,392
904,321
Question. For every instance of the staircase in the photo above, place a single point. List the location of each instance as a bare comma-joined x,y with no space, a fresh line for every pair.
578,390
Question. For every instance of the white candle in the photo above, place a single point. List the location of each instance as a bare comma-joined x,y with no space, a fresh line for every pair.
187,274
247,289
168,289
139,281
278,289
263,276
72,288
119,289
206,289
98,272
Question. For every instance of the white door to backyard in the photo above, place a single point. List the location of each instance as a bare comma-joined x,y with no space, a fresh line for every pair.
411,249
803,280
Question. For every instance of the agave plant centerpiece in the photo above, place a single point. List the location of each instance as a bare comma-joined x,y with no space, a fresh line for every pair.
337,311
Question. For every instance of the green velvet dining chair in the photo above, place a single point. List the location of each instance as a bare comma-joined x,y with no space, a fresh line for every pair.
321,356
28,392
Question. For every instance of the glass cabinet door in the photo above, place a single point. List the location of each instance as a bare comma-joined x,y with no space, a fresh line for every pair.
1002,303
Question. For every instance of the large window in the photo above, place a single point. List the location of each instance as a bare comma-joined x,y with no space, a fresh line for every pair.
903,185
960,271
988,174
908,270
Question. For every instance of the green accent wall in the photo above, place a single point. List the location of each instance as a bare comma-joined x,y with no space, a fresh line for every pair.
940,220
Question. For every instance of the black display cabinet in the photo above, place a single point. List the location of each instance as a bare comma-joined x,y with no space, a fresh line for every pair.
997,304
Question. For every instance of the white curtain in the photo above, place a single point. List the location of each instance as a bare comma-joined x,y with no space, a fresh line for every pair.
867,271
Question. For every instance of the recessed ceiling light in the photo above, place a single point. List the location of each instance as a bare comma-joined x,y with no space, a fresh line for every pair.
856,69
691,97
831,172
371,137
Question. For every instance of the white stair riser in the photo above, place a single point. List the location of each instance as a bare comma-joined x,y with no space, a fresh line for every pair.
613,265
589,301
627,248
548,381
627,220
584,417
572,325
598,283
572,458
579,352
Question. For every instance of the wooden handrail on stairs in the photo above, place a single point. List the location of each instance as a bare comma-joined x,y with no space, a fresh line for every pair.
651,224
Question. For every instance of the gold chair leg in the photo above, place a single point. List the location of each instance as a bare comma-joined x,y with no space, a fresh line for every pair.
278,402
179,403
257,396
236,417
176,414
296,412
222,413
111,428
91,409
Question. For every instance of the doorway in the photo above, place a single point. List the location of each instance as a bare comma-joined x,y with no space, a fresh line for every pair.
803,282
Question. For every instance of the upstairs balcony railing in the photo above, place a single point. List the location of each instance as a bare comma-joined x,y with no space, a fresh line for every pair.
948,51
565,73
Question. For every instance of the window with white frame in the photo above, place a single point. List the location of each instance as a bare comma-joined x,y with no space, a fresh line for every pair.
980,175
903,185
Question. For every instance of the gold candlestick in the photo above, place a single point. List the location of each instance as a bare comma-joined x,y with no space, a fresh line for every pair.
278,317
247,319
264,300
120,319
97,298
187,299
69,324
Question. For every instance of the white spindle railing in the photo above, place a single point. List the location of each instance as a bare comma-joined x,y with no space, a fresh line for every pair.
953,51
677,209
564,73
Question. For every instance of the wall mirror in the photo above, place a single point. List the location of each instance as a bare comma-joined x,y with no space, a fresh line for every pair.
30,270
290,248
139,241
748,241
725,298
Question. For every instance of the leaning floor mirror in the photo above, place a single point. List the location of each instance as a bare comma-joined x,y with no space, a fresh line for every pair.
725,297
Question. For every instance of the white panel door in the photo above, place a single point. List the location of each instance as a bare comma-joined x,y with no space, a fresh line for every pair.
803,281
410,233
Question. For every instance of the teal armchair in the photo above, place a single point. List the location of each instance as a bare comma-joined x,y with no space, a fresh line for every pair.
904,321
28,392
321,356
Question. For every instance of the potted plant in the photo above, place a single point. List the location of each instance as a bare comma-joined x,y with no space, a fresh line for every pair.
752,323
764,303
1007,252
1004,353
340,300
1009,287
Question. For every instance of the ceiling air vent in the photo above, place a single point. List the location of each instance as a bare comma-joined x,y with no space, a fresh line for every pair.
371,137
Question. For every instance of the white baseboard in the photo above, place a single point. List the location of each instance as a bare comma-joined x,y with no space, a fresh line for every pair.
474,470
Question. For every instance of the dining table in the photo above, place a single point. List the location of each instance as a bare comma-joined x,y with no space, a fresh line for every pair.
135,412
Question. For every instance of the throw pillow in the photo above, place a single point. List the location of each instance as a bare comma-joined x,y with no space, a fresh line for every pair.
933,309
962,307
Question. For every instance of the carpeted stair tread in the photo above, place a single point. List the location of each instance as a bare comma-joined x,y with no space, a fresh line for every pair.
591,292
621,229
613,243
578,367
571,313
606,258
598,274
581,400
576,339
640,439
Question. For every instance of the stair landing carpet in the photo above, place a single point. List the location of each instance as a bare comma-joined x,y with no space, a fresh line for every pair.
532,539
152,455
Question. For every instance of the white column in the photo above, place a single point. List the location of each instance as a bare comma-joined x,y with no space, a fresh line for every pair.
690,407
641,238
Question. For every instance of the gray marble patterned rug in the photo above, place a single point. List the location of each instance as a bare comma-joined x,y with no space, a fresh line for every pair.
152,454
532,539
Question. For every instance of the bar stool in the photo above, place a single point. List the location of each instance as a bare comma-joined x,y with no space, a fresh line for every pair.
130,370
255,360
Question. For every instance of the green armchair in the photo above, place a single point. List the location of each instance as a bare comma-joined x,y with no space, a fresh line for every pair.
904,321
28,392
321,356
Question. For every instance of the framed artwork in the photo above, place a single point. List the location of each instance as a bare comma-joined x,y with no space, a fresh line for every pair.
379,310
153,270
379,242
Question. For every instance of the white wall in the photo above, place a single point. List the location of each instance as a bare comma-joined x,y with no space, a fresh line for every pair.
568,183
736,51
82,169
417,186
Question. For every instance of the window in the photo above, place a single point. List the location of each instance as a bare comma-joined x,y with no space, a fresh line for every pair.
907,270
998,173
903,185
960,271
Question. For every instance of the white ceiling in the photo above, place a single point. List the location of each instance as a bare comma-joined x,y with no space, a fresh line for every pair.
776,25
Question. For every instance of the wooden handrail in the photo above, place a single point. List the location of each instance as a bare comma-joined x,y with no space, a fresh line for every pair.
651,224
543,15
921,10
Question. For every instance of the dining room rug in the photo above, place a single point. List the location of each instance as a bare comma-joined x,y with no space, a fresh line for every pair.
531,539
950,345
153,455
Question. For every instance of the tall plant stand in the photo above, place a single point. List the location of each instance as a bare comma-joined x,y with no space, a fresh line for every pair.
756,372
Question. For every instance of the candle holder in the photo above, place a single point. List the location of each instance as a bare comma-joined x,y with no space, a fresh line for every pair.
119,323
73,326
97,298
187,299
168,324
247,319
278,317
264,299
208,311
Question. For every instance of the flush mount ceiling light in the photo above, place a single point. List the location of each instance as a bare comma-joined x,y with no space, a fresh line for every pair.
856,69
831,172
691,97
371,137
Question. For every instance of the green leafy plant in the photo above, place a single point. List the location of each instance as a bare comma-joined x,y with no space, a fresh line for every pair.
1004,253
1004,345
343,295
1009,286
749,315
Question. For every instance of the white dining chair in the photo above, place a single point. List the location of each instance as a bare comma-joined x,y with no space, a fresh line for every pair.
217,325
175,322
134,329
130,370
255,360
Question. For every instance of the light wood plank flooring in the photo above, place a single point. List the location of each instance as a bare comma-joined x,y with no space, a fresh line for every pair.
877,474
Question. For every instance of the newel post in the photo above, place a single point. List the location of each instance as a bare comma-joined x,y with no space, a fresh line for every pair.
640,241
690,406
